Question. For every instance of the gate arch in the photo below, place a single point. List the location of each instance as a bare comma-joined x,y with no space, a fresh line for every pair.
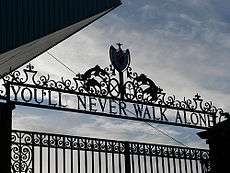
105,92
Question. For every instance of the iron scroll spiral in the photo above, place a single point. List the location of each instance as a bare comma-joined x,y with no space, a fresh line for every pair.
105,82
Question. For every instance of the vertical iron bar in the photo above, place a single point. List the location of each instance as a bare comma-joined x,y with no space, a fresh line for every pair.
138,158
168,160
99,157
202,168
185,162
214,119
92,156
121,78
71,155
191,165
86,158
163,164
174,161
20,152
145,166
157,164
127,158
32,152
180,161
196,157
106,158
157,161
78,156
174,165
56,154
49,154
40,150
119,157
113,167
162,160
197,169
133,164
151,163
64,168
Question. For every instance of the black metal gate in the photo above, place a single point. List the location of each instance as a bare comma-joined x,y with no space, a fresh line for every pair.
34,152
101,92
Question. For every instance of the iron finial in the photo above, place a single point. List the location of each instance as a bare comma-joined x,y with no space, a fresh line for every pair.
197,96
119,45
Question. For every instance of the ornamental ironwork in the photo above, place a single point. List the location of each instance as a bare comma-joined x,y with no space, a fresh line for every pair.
115,91
46,152
119,59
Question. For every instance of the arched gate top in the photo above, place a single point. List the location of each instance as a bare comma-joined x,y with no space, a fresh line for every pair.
119,82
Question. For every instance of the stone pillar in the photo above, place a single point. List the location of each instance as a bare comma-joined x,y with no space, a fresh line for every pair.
218,139
5,134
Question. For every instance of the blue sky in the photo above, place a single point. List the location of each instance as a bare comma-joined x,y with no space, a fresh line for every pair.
184,46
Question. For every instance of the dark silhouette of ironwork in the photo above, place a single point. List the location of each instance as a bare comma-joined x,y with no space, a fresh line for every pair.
218,139
5,133
127,86
79,153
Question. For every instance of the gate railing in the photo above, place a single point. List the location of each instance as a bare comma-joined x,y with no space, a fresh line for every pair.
33,152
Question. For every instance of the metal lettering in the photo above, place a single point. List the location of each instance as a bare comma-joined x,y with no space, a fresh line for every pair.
111,106
163,116
122,107
26,97
154,114
15,92
178,117
102,105
138,110
36,96
196,118
92,104
60,100
50,98
203,120
146,112
82,102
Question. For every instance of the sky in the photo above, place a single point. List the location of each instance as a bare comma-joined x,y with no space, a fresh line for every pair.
182,45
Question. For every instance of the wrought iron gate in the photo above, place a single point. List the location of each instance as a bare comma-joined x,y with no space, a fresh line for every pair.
34,152
101,92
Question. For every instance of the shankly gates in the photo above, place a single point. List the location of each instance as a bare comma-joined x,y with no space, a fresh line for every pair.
115,91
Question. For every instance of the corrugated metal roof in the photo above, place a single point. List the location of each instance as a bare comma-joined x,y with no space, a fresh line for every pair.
30,27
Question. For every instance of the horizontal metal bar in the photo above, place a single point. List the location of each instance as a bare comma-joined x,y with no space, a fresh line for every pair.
107,115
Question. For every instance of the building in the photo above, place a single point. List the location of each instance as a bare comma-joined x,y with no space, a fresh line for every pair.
30,27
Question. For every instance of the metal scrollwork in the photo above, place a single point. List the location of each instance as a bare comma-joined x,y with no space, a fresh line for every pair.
106,83
142,89
26,146
23,141
94,81
21,158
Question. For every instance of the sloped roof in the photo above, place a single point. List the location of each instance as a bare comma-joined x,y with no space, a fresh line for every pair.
30,27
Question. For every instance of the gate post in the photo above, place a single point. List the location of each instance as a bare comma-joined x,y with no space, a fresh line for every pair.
5,134
218,138
127,158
